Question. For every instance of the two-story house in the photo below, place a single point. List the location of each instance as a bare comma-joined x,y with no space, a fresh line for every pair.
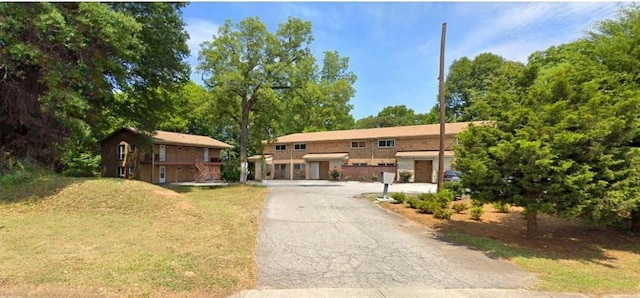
413,149
161,157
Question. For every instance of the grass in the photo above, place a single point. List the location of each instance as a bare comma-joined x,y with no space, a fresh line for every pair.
71,236
619,274
567,256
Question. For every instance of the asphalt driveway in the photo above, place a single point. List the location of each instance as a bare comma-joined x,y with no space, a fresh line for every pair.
318,234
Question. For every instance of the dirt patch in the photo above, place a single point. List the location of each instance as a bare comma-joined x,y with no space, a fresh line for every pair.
556,237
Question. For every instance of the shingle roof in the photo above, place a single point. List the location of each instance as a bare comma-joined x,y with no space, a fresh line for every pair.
174,138
376,133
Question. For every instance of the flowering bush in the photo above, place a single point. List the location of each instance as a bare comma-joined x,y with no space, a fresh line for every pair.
335,173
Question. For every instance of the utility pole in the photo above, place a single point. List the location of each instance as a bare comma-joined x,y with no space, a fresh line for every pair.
442,110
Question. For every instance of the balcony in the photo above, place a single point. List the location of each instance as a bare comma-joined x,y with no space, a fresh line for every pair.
180,161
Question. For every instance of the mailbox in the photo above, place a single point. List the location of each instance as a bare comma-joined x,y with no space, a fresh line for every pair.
387,177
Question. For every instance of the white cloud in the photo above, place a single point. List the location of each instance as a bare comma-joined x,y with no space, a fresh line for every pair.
516,30
200,30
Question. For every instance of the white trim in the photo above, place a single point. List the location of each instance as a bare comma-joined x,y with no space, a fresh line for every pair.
386,141
300,145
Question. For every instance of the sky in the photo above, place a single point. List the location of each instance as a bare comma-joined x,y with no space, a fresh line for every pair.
394,47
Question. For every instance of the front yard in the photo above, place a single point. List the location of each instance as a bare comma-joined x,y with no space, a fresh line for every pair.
113,237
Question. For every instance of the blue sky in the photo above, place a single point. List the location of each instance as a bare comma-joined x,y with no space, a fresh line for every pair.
394,47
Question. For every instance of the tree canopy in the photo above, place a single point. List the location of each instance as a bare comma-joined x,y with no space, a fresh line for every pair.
266,83
62,63
565,132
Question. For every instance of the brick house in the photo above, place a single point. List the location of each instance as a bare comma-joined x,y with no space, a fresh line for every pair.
162,157
412,149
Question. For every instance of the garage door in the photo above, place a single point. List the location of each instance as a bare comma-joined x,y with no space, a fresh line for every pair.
422,170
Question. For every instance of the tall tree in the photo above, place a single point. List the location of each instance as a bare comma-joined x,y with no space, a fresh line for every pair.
390,116
255,76
61,62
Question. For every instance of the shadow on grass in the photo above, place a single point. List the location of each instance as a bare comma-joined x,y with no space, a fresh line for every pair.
556,239
36,189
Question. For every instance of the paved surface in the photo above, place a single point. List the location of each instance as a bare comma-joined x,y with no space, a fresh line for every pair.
316,234
403,292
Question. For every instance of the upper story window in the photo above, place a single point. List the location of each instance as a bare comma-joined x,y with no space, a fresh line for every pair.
360,164
120,153
299,147
179,148
281,147
358,144
386,143
132,147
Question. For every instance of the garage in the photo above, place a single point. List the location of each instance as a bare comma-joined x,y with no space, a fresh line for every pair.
422,170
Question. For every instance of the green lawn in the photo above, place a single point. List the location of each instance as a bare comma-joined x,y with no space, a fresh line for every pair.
71,236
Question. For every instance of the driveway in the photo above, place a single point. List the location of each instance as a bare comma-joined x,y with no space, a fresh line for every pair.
318,234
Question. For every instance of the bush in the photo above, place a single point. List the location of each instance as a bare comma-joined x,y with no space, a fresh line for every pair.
476,212
16,171
399,196
413,202
444,197
502,207
455,187
459,207
476,203
348,178
426,196
443,213
429,207
230,173
405,176
361,178
374,177
335,173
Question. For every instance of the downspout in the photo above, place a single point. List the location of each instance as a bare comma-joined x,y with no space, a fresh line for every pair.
291,162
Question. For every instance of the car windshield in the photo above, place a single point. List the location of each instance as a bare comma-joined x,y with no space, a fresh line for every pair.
452,173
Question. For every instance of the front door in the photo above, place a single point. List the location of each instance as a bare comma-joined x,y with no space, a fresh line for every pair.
206,154
422,171
314,170
324,170
163,174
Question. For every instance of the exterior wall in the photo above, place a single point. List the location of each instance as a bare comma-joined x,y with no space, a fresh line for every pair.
146,168
371,154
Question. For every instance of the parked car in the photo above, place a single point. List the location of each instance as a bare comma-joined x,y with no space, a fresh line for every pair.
451,176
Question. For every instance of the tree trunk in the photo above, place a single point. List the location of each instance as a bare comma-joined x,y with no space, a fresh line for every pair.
532,222
244,143
635,220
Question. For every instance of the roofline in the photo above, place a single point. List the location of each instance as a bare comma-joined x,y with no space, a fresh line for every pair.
154,141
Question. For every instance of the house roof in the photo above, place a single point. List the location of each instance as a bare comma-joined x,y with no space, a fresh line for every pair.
377,133
324,156
174,138
433,153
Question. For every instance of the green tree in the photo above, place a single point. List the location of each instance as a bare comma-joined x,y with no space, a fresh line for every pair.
258,78
390,116
61,62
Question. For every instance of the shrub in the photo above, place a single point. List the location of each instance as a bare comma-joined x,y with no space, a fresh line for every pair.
443,213
405,176
230,173
16,171
348,178
426,196
429,207
444,197
335,173
413,202
374,177
361,178
502,207
476,203
399,196
455,187
459,207
476,212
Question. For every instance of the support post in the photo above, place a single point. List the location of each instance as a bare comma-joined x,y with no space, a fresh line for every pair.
442,111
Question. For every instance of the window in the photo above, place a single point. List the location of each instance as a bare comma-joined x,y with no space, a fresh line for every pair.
132,147
192,169
120,153
120,172
386,143
297,167
386,164
281,167
457,142
193,149
358,144
179,169
179,148
359,164
163,153
299,146
132,171
281,147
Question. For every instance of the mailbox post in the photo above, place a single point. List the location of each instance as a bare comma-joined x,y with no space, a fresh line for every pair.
386,178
